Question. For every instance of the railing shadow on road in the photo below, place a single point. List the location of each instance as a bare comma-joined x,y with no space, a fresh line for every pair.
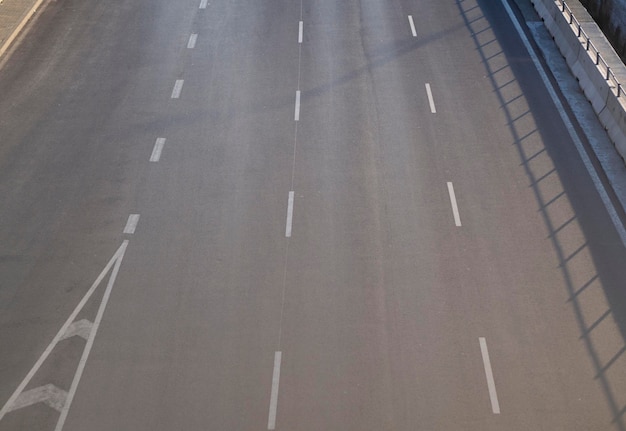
484,21
377,59
380,58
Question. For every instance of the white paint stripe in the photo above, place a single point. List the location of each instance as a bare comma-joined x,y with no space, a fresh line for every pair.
621,231
289,215
297,111
81,328
20,27
92,336
7,406
203,4
412,26
300,31
192,41
495,406
178,87
157,150
271,421
431,101
50,395
131,224
455,208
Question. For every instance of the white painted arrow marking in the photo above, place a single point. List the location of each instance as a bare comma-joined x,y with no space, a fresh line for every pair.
114,263
50,395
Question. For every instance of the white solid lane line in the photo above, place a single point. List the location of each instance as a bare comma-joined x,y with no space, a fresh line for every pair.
271,421
158,148
619,226
296,114
92,336
491,384
178,87
431,101
131,224
192,41
203,4
289,215
300,31
59,336
412,26
455,207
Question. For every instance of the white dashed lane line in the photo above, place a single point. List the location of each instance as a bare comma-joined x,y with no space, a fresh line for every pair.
491,385
192,41
131,224
300,31
289,215
412,24
431,100
158,148
203,4
271,421
296,115
178,88
455,207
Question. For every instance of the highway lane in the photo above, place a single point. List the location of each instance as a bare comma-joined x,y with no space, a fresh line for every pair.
414,361
206,305
377,299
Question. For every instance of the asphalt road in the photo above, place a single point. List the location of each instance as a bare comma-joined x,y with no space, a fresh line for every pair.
352,215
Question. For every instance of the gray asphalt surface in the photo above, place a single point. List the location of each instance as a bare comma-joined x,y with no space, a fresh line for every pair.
377,300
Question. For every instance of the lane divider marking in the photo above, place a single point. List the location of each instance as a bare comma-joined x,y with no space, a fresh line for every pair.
431,101
412,26
50,394
289,215
178,88
455,208
131,224
158,148
297,110
495,406
597,182
92,336
300,31
192,41
271,421
5,47
203,4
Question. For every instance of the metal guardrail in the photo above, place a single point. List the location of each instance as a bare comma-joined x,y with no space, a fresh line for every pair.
590,47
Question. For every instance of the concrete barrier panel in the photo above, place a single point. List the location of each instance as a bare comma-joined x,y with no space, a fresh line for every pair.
566,40
547,11
591,80
609,108
613,117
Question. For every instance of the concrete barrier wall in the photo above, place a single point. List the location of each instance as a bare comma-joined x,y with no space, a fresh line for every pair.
591,80
566,39
613,118
545,11
611,109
